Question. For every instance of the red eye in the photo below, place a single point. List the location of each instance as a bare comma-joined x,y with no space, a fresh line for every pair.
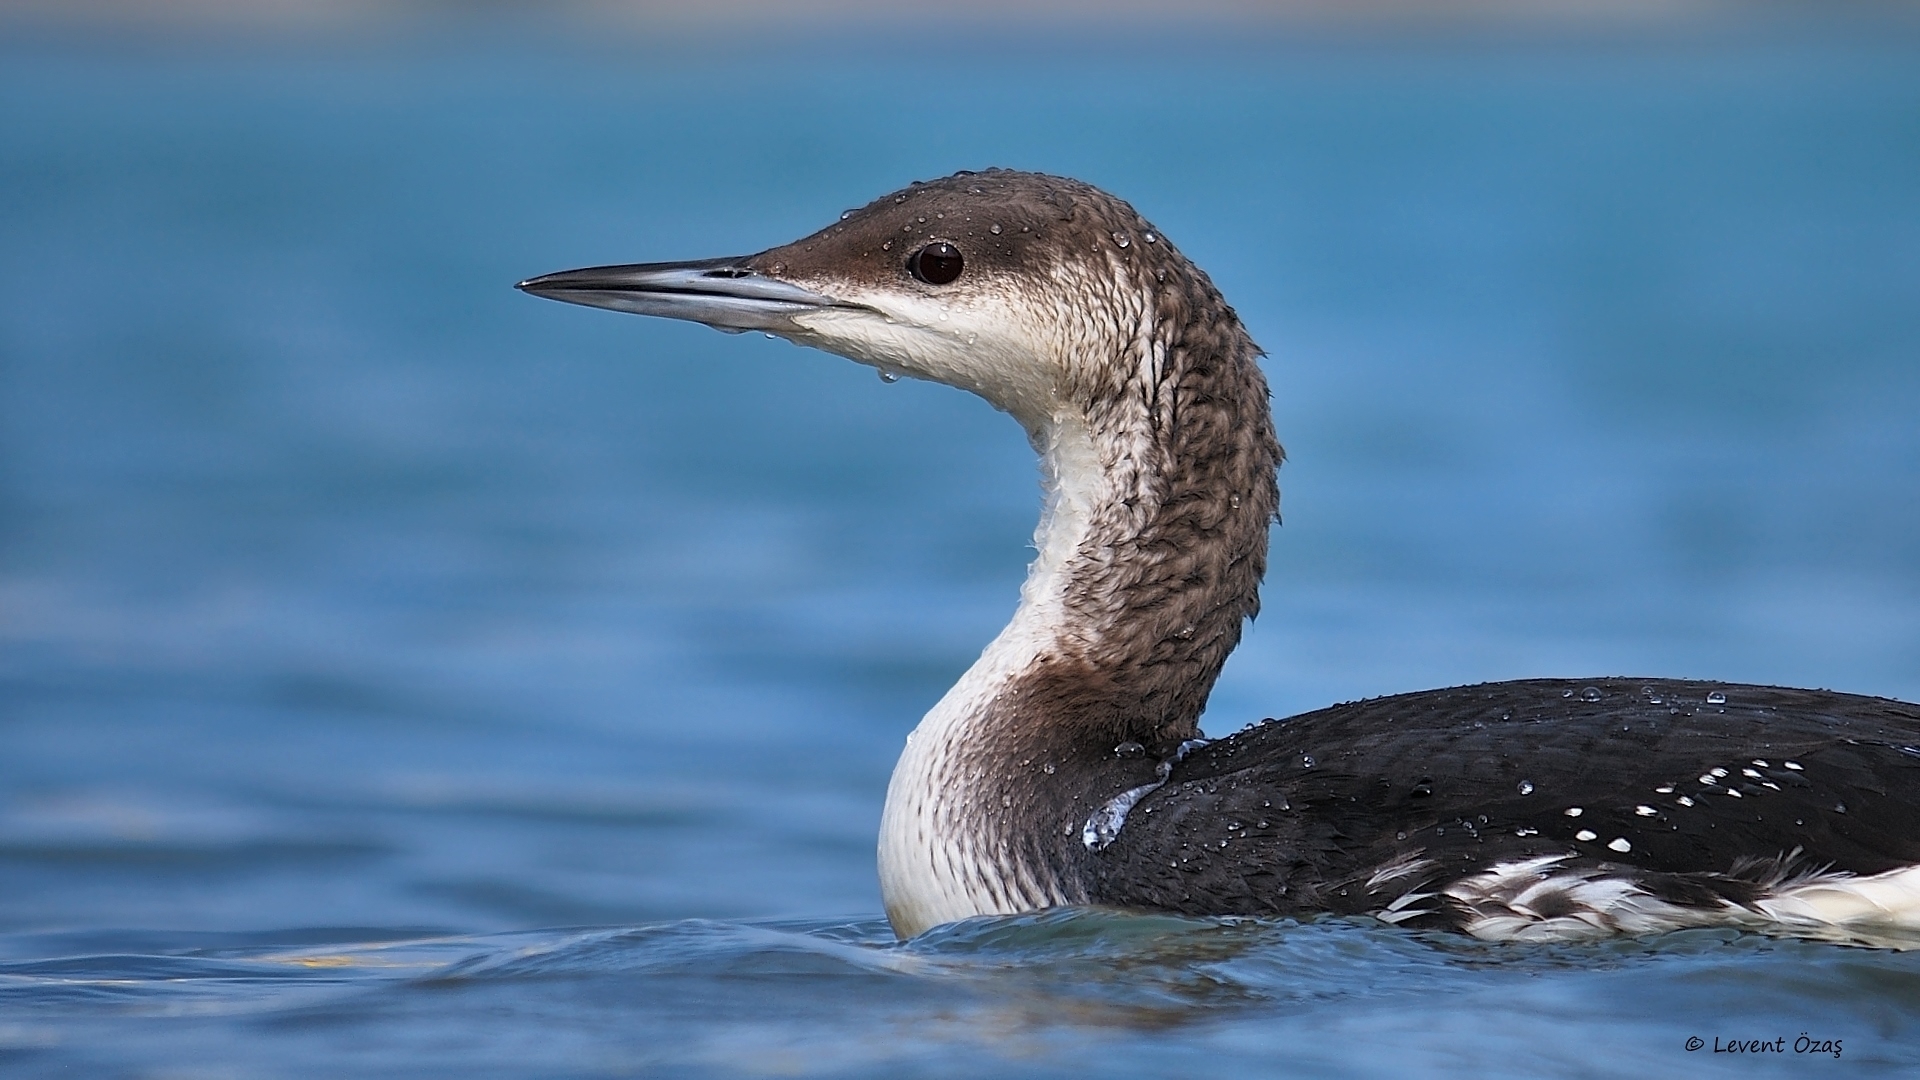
936,264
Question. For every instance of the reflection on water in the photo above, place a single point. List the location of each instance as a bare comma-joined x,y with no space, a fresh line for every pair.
362,621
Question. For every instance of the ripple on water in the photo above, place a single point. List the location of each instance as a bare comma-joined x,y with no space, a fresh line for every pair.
815,997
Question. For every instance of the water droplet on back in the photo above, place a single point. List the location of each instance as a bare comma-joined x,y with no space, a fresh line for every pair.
1591,693
1526,787
1716,698
994,229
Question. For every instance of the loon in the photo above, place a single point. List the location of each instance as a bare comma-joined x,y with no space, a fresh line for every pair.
1067,767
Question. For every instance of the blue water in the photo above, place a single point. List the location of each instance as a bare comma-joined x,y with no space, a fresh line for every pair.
402,676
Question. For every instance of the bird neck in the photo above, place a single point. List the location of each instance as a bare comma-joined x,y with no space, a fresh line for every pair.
1151,547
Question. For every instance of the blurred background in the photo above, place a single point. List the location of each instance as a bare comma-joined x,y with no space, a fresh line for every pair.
343,587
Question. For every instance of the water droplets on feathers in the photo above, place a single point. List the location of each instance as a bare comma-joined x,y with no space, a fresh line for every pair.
1103,827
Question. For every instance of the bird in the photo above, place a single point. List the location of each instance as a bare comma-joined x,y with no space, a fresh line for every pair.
1067,766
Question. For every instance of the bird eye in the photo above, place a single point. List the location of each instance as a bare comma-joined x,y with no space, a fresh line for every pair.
936,264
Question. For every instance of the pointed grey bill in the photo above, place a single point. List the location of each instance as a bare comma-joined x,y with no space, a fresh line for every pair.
723,293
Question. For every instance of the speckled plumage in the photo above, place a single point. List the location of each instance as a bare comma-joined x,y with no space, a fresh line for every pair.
1707,805
1533,810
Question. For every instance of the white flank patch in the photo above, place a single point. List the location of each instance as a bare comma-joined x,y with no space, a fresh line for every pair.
1541,900
1891,899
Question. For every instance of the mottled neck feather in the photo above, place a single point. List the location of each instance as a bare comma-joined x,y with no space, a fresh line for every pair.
1160,480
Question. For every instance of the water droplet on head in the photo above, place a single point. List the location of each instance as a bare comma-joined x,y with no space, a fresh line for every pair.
887,246
887,376
1149,237
1716,698
1120,238
1619,843
1306,761
994,229
1526,787
1591,693
1129,749
1047,768
1566,693
1586,834
1574,811
1233,501
845,214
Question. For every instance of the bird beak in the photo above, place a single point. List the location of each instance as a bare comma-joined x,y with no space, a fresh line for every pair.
726,294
